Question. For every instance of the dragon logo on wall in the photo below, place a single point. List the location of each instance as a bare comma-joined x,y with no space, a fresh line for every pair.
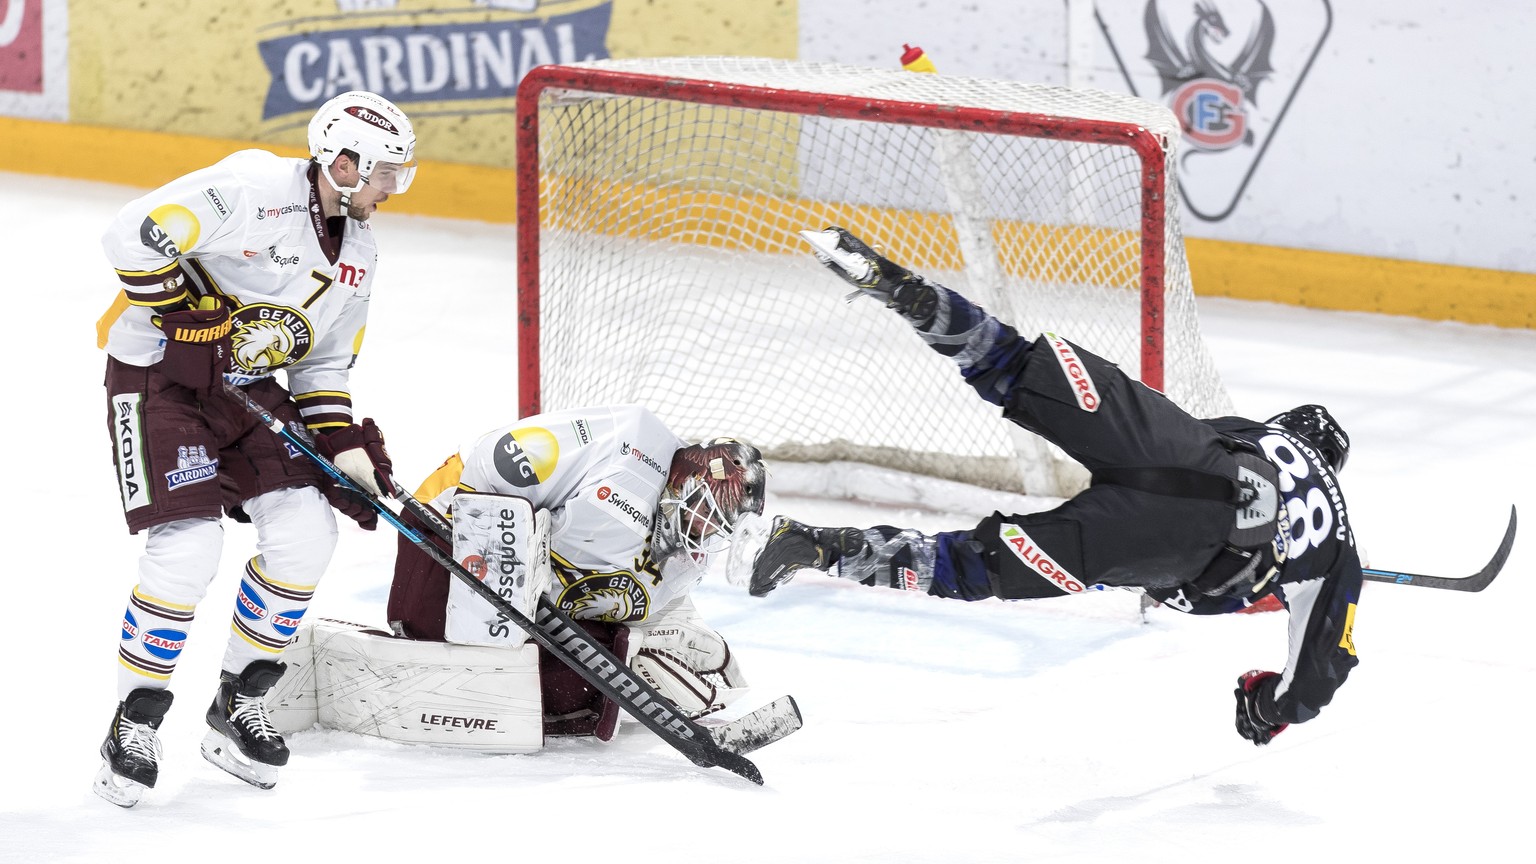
1208,93
1228,69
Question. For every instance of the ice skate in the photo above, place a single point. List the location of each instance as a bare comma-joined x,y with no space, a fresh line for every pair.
794,546
867,270
132,748
241,739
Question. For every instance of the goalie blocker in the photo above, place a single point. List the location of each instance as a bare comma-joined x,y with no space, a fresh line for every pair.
490,689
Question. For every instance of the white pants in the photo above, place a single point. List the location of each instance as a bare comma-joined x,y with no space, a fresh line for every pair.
295,536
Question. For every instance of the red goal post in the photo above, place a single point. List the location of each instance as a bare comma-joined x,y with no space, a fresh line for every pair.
638,179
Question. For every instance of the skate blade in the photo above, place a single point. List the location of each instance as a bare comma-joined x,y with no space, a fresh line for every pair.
227,757
119,790
824,244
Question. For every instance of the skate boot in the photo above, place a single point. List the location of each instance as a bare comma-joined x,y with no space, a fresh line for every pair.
241,738
865,269
795,545
132,748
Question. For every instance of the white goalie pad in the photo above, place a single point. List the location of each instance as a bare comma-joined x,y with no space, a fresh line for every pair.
504,542
354,679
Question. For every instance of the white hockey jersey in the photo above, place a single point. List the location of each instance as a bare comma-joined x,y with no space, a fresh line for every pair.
251,230
599,471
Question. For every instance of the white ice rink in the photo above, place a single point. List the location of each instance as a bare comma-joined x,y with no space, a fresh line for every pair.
936,731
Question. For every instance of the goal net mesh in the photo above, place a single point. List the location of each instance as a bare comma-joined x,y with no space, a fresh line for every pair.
671,272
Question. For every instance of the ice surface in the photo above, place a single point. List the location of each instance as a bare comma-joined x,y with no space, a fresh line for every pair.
936,731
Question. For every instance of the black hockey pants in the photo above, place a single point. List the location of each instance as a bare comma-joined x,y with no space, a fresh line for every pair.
1111,534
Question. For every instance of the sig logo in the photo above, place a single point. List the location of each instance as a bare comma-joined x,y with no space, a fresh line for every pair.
526,457
170,229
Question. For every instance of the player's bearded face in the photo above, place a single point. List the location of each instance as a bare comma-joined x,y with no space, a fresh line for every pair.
364,201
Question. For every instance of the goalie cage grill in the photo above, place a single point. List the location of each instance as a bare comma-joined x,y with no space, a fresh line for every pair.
658,201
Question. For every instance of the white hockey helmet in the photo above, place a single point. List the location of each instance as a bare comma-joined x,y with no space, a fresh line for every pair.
372,127
709,488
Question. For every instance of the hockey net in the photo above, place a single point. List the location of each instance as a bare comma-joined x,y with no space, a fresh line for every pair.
659,205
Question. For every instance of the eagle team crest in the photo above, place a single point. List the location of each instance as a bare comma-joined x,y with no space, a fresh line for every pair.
268,338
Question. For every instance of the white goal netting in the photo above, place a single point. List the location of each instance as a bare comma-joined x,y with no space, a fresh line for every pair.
671,273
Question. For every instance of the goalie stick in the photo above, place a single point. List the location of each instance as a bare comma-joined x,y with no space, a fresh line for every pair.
1476,582
553,629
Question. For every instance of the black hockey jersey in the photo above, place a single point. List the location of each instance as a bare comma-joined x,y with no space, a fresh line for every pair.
1318,579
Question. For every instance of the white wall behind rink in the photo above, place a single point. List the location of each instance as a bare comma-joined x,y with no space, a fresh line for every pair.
1411,136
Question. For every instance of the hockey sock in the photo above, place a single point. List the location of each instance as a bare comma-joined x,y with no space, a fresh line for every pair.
266,616
988,352
891,558
296,534
154,634
959,571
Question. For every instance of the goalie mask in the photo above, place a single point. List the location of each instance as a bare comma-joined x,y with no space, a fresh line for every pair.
375,130
1317,426
710,487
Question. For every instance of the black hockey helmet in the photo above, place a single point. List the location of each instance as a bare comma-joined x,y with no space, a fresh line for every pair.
1314,423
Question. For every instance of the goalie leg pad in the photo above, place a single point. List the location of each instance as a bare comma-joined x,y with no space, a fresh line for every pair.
501,540
469,697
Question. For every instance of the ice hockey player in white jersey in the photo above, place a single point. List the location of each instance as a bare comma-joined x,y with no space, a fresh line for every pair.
229,274
632,514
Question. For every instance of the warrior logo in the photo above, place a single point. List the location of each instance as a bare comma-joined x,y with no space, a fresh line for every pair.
1226,79
192,466
268,338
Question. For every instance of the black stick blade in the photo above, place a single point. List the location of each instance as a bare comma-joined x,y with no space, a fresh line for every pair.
1476,582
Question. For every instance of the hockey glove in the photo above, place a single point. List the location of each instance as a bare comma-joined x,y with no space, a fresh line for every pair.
197,344
865,269
1252,687
352,506
359,452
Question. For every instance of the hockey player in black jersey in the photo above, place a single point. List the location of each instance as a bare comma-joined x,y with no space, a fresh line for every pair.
1207,516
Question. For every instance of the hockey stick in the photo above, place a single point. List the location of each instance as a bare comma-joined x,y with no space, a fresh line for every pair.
1476,582
554,630
760,728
